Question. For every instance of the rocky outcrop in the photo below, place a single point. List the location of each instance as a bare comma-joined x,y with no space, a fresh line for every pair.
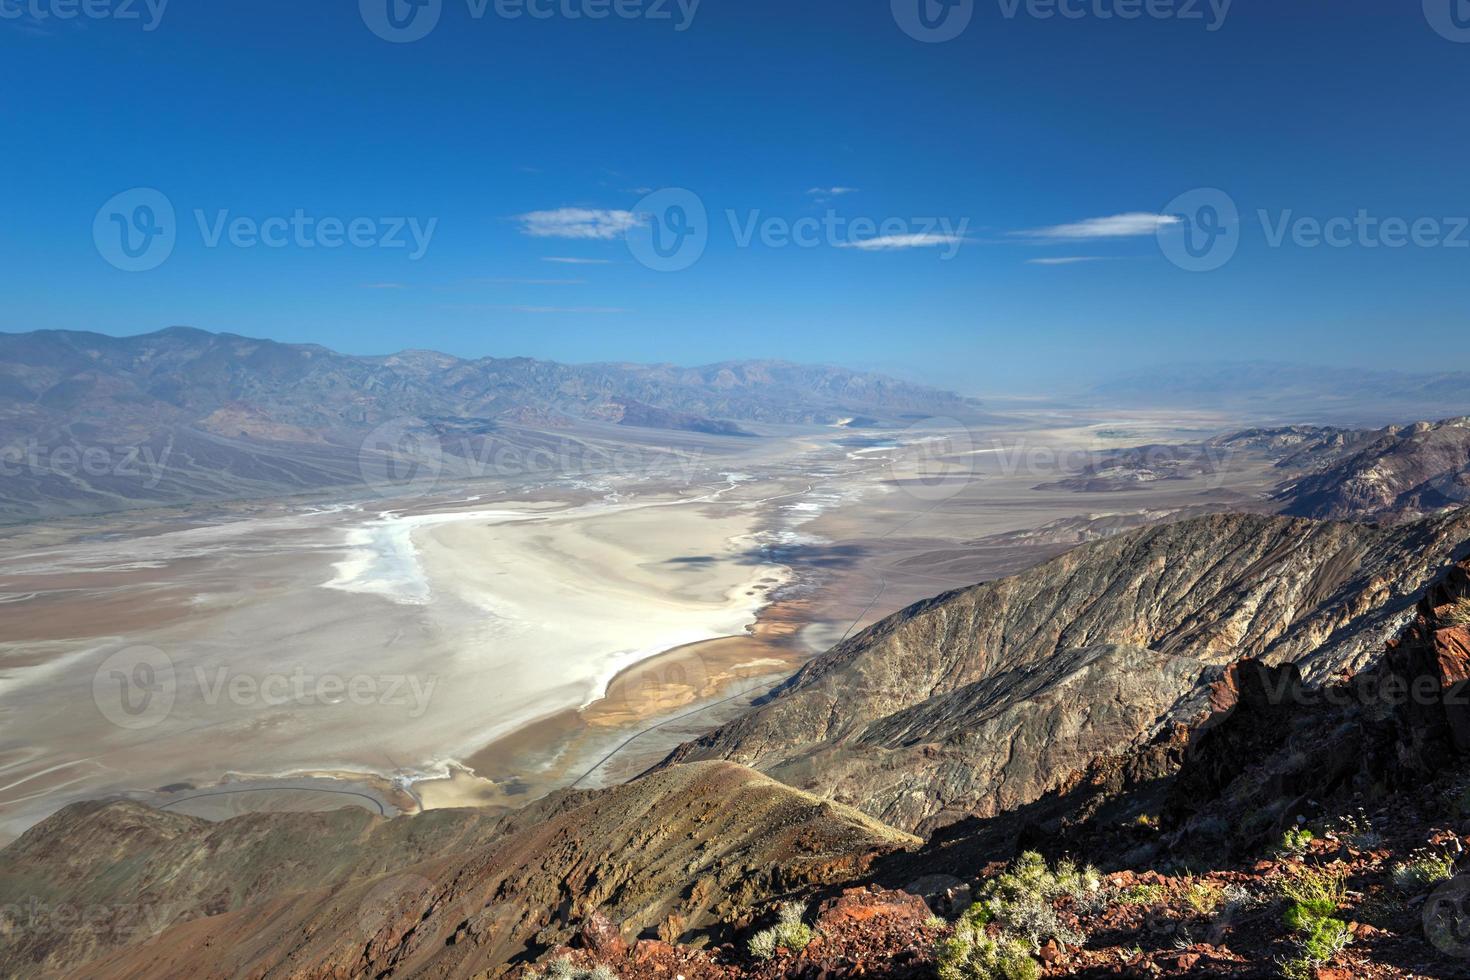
984,699
1401,472
668,855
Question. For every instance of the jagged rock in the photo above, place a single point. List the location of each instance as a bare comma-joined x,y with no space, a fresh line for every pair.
985,699
601,938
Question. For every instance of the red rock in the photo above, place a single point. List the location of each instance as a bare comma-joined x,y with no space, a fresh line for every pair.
861,905
601,938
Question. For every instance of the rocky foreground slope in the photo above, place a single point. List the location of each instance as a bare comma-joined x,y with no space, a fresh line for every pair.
982,700
444,894
1156,703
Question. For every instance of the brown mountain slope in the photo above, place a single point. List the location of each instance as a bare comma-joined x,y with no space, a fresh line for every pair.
984,699
677,851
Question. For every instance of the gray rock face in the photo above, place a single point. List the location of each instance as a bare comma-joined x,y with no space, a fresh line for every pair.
984,699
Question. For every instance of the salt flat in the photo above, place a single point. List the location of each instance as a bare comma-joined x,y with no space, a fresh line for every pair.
458,648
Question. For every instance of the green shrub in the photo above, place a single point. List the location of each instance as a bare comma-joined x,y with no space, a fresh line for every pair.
1295,842
562,969
973,954
1311,885
789,932
1422,870
1204,897
1020,898
1326,939
1459,613
1143,895
1301,916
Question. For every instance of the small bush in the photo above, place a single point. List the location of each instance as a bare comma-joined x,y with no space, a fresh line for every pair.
1295,842
789,932
1311,885
1423,870
1459,613
973,954
1020,898
1301,916
1355,829
1204,897
1143,895
1326,939
562,969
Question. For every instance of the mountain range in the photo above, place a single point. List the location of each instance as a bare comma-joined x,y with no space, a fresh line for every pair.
206,416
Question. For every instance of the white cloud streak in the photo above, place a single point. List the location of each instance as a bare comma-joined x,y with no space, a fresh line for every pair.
577,223
889,243
1134,224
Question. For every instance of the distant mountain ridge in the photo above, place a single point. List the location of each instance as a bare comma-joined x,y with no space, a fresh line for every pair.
186,375
233,416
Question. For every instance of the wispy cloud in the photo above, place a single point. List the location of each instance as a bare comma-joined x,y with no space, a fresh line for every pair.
568,260
1066,260
831,191
1131,225
582,223
888,243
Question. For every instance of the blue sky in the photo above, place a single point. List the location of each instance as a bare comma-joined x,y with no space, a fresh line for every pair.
520,141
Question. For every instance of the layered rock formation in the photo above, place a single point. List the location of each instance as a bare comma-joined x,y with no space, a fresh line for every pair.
984,699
